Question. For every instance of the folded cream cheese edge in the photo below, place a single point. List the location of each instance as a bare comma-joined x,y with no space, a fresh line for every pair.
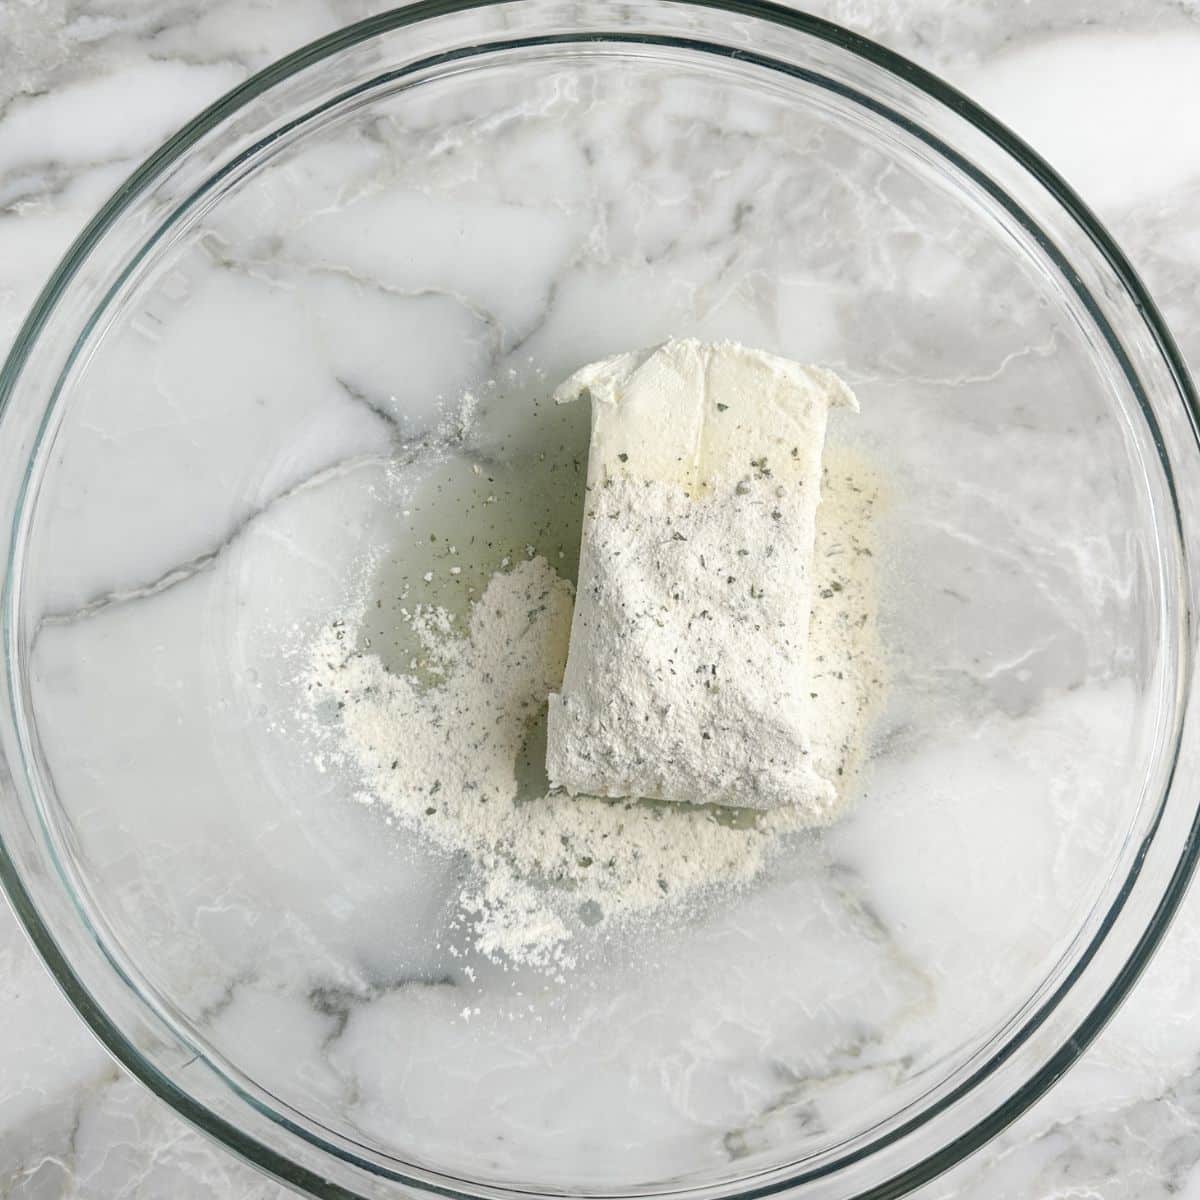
692,413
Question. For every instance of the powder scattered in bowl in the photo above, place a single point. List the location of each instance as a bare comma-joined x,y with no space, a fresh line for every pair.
451,748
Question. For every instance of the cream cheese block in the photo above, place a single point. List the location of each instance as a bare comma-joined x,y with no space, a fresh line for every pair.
687,670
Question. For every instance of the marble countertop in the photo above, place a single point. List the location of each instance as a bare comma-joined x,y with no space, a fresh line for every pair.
1107,89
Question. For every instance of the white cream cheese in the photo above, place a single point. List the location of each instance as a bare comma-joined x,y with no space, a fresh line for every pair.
687,671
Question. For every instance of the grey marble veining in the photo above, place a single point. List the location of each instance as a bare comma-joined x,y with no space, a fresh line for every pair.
88,89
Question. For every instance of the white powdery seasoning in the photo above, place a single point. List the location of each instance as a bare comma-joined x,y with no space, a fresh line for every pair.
443,757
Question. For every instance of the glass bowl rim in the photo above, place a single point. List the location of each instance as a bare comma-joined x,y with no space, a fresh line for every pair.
991,1123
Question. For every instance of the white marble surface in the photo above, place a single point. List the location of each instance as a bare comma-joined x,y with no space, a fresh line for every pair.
86,90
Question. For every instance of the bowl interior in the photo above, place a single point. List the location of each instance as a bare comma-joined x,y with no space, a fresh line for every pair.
252,421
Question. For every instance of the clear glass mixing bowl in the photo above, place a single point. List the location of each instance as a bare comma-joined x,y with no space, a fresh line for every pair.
204,420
